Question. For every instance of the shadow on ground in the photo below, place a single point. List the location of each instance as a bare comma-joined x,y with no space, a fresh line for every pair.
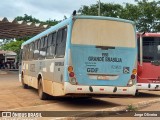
79,102
147,95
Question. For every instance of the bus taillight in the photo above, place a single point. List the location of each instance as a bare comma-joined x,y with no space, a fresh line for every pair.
133,76
134,71
71,74
70,69
72,78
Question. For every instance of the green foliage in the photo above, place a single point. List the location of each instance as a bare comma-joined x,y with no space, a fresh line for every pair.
146,14
131,108
149,17
13,46
111,10
50,22
107,9
24,38
29,18
127,10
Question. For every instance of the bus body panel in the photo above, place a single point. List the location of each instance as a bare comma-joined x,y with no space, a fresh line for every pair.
109,90
91,63
149,71
52,72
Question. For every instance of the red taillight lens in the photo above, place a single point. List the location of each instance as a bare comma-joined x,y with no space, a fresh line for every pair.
101,89
71,74
124,89
133,76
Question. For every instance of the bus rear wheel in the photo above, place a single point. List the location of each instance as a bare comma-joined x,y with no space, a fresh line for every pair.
137,93
42,95
25,86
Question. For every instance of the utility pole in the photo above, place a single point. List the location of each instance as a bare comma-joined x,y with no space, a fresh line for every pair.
99,8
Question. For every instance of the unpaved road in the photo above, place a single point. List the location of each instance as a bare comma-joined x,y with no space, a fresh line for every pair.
13,96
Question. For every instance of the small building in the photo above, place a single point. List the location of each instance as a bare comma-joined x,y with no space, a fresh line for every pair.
9,57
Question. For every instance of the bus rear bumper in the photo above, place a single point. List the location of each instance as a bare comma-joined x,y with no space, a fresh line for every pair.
148,86
112,90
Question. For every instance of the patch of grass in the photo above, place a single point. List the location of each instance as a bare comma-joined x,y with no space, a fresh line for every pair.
36,103
131,108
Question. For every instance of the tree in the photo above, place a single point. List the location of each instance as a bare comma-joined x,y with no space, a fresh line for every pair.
145,14
107,9
29,18
130,12
149,18
13,46
50,22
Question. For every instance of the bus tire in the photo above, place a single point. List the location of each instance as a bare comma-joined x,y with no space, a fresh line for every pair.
42,95
25,86
137,93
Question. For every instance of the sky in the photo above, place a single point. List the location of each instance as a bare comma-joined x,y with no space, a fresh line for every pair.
46,9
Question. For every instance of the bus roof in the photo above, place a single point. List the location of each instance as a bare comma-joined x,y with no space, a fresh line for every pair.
67,21
48,31
150,34
104,18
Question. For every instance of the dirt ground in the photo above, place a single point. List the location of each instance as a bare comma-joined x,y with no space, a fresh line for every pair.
13,96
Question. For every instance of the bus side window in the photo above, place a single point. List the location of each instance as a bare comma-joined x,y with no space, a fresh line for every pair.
43,47
54,39
36,51
51,45
27,52
31,51
20,56
157,39
138,42
61,42
39,46
158,49
23,53
45,41
33,48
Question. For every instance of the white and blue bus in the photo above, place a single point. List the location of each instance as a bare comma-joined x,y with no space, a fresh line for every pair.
82,55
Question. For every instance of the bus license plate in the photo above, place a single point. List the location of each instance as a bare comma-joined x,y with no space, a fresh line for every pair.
102,77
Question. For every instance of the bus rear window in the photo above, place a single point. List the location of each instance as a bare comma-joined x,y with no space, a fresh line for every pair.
151,49
103,33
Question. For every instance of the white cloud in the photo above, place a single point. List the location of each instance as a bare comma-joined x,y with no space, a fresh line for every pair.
46,9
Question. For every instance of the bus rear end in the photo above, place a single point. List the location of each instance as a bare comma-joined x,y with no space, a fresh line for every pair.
101,57
149,61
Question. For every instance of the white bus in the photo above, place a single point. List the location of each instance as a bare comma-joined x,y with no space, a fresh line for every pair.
82,55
